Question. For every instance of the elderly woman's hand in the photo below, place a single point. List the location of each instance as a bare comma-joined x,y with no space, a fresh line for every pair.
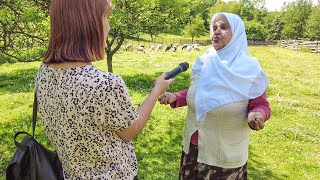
167,98
255,120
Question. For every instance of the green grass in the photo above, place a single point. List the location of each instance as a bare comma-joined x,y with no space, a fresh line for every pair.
288,147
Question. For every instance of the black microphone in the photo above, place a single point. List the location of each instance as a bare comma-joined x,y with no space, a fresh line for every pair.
181,68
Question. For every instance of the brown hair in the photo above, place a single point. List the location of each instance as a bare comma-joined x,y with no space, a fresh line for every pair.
77,30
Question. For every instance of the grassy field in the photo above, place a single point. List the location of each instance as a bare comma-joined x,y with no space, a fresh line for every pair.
288,147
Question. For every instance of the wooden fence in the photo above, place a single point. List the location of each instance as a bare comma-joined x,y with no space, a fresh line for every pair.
298,45
263,43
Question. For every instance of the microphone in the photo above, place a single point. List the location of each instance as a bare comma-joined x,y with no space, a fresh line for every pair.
181,68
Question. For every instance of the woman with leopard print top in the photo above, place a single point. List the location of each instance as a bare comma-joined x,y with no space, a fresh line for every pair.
87,113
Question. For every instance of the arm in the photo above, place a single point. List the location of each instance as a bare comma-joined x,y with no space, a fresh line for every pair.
258,112
145,109
260,104
181,99
177,99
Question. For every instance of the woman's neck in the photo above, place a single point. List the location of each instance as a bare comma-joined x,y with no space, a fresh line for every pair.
69,64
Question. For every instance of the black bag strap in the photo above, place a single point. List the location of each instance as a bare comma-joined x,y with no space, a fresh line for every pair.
22,145
35,110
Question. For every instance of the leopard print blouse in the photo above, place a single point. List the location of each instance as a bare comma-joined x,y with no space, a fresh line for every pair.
82,108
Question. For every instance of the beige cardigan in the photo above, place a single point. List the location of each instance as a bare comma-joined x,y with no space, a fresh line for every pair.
223,136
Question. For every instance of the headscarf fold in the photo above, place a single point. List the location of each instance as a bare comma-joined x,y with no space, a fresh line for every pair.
229,74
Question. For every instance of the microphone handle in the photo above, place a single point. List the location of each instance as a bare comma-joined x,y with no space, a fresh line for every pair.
174,73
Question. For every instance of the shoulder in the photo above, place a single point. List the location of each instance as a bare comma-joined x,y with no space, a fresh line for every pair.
107,77
107,80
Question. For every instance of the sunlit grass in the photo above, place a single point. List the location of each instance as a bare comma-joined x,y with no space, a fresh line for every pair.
288,147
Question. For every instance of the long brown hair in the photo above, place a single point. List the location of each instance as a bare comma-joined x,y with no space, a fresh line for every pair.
77,30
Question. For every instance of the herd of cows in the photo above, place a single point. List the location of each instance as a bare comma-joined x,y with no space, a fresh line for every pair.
160,47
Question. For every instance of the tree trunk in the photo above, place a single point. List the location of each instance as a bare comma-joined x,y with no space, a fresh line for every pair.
110,52
109,62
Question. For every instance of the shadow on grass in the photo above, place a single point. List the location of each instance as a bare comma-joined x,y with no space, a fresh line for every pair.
23,81
257,169
18,81
143,83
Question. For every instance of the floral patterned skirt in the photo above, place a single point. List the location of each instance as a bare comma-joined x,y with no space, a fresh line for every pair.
190,169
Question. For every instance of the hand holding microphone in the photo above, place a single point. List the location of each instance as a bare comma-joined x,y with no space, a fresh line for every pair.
181,68
163,82
166,97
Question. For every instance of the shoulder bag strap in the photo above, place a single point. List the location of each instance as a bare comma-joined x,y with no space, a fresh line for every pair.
34,115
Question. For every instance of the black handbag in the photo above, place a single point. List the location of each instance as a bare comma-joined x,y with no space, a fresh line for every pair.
33,161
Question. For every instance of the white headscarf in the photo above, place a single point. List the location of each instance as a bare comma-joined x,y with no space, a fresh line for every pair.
229,74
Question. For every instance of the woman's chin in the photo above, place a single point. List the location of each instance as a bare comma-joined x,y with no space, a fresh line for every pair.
217,46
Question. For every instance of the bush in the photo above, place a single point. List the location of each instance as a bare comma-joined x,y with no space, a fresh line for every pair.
255,31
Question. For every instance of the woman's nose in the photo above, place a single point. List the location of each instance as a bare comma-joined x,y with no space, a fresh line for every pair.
217,31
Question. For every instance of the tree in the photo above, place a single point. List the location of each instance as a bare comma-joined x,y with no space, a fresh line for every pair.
259,10
201,8
246,10
255,31
273,25
124,22
195,28
24,30
296,15
131,17
161,16
313,24
230,7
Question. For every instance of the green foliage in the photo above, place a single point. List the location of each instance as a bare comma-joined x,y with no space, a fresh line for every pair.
289,31
160,16
201,8
274,26
36,53
246,10
23,27
252,12
312,30
295,18
24,24
132,17
195,28
255,31
287,148
230,7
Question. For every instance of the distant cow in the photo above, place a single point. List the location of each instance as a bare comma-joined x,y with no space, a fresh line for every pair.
168,48
152,48
196,47
184,46
128,47
189,48
159,47
141,48
174,48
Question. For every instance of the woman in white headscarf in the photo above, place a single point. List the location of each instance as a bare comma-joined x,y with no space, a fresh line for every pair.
225,100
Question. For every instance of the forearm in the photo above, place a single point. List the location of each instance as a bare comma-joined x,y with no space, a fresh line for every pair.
144,111
260,104
181,99
146,108
264,110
